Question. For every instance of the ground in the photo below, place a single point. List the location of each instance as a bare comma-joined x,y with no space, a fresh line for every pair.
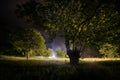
38,68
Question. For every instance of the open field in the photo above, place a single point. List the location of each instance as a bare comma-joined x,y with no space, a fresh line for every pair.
57,59
37,68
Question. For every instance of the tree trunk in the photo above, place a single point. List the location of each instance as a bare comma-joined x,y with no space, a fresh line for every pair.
73,54
74,60
27,56
74,57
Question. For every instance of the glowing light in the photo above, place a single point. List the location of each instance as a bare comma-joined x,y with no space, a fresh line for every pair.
53,55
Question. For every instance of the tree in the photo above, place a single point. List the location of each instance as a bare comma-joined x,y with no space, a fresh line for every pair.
61,53
28,40
79,21
72,19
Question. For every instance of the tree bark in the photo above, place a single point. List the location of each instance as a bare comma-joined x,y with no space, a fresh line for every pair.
73,54
74,60
74,57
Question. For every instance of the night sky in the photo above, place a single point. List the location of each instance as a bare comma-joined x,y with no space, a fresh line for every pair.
8,18
7,15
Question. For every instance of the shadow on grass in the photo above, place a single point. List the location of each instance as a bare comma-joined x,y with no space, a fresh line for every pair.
42,70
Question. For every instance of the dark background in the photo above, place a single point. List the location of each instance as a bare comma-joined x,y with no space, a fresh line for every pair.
9,20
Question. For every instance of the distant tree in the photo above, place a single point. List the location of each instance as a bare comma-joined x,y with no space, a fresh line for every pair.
48,52
44,53
28,40
60,53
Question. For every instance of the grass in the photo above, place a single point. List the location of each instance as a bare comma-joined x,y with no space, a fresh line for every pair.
18,68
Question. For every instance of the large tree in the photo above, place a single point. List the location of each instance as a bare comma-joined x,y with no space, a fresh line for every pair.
80,22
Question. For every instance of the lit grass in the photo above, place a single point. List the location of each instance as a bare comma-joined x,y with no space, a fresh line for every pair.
37,68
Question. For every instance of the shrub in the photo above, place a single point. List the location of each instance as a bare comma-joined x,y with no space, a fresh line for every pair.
61,53
109,50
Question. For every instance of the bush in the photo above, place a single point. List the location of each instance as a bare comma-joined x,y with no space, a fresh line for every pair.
47,53
61,53
109,50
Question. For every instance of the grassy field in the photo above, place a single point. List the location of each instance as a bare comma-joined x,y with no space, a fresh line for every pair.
37,68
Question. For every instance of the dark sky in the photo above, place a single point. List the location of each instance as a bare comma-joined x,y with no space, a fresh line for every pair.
8,18
7,15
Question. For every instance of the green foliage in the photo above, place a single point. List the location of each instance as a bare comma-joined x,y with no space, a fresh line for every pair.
109,50
28,41
78,20
61,53
42,52
47,53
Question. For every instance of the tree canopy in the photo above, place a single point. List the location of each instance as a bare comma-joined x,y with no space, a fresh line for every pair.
27,40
